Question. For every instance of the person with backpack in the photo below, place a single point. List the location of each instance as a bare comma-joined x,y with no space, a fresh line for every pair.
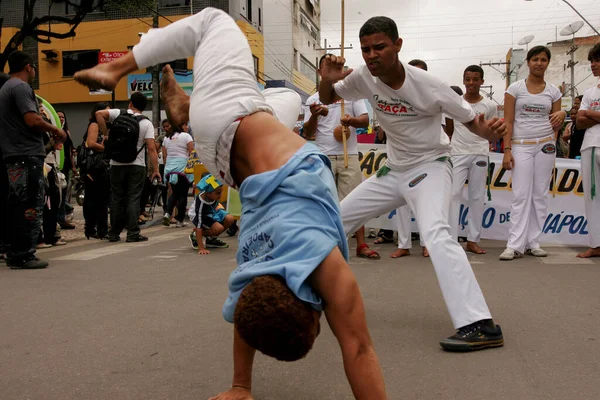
131,134
93,167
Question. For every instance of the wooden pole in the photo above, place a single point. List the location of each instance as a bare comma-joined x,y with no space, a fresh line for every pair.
344,128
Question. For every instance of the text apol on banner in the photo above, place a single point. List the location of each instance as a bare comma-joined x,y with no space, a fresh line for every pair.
565,223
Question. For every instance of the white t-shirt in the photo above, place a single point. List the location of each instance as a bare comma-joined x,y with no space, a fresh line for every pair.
411,115
326,124
146,132
591,101
176,145
466,142
532,111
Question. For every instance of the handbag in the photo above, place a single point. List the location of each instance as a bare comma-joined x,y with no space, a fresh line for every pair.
95,161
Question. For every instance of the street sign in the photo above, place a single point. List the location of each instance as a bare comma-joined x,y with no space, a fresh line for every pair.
109,56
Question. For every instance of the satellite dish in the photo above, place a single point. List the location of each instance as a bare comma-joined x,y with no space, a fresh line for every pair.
571,29
526,40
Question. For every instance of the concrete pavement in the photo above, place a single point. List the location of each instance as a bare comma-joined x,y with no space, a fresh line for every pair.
143,321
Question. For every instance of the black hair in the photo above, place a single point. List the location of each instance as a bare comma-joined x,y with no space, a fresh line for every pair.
580,97
457,90
18,60
474,68
534,51
384,25
97,107
163,121
594,54
418,63
139,101
66,127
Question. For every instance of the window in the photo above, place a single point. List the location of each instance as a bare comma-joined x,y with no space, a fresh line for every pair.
249,10
256,65
72,5
173,3
74,61
259,17
308,69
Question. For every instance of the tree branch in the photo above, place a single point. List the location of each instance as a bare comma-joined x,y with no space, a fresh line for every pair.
39,32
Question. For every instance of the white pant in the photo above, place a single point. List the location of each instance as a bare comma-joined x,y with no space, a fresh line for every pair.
426,189
405,228
475,168
531,178
225,87
592,206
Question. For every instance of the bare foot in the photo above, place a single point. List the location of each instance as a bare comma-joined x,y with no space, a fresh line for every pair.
425,252
590,253
474,248
102,76
177,102
400,253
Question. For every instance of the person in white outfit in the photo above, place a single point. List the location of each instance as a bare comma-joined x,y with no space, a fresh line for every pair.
470,161
533,115
319,124
292,242
588,117
409,104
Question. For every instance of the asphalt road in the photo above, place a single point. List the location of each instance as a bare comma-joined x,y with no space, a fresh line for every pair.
143,321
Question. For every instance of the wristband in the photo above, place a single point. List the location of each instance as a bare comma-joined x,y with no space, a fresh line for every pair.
508,148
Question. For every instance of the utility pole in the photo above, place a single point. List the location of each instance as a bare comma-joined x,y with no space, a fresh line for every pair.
155,82
490,95
571,65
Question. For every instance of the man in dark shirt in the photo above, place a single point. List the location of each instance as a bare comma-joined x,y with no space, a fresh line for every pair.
576,135
3,194
22,146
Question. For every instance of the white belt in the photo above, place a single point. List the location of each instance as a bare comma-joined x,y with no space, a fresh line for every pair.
532,141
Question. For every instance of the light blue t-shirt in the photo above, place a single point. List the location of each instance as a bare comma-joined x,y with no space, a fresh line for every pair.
290,223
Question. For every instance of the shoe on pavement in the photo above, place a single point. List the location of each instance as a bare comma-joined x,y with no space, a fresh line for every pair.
59,243
539,252
114,239
66,225
43,246
138,238
510,254
193,240
180,224
32,263
166,220
215,243
479,335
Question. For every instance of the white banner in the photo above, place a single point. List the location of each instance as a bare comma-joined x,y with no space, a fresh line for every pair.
565,223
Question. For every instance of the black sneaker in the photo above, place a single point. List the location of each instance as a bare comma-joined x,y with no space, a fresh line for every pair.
193,240
32,263
215,243
233,229
138,238
114,239
476,336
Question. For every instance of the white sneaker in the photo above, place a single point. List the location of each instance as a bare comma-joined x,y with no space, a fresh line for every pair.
180,224
167,220
510,254
539,252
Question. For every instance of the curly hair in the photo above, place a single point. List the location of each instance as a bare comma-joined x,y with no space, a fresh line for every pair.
270,318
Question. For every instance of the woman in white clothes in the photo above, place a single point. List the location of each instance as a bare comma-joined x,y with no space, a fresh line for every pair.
532,115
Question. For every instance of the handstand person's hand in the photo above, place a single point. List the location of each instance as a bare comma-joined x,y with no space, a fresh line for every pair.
203,251
235,393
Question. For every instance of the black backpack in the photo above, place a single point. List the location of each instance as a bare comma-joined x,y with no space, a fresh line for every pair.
121,145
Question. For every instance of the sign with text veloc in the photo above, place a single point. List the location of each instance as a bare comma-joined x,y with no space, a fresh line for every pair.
104,57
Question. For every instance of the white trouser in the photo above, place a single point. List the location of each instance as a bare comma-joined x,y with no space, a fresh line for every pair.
225,87
426,189
475,168
531,178
592,206
404,226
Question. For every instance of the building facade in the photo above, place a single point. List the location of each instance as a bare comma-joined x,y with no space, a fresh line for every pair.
292,34
114,28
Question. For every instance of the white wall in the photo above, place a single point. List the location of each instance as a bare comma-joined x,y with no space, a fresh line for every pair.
279,52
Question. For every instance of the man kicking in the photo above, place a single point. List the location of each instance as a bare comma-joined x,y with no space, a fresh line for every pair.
292,257
470,160
409,104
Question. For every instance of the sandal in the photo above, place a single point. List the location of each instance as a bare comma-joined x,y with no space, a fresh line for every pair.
369,254
383,239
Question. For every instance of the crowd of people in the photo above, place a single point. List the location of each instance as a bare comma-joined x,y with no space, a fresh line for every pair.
293,247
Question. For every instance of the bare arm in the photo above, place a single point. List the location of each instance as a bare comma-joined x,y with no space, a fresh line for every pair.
509,118
92,139
449,127
102,117
332,70
190,148
327,93
380,134
310,126
345,312
362,121
36,122
567,132
153,156
587,118
164,153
